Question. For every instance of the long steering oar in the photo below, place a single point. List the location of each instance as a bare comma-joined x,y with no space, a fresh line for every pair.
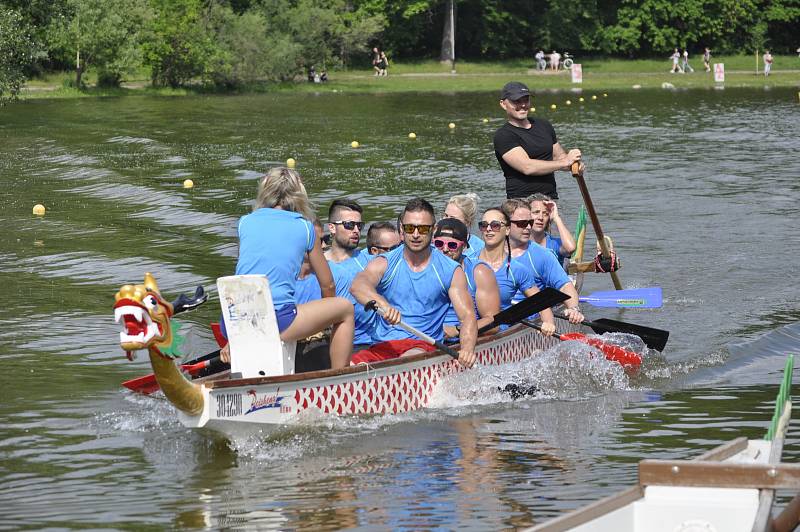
628,298
373,306
549,297
577,173
653,338
148,384
614,353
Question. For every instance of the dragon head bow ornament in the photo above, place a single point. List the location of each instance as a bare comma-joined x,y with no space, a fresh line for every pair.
145,317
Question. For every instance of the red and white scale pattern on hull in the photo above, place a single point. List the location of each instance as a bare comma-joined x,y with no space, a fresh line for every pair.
407,389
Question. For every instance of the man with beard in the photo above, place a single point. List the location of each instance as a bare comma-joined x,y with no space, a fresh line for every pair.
417,285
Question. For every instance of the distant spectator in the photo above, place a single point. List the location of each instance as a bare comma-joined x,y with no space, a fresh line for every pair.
555,59
383,64
376,57
311,74
767,62
676,57
685,66
541,64
323,77
707,59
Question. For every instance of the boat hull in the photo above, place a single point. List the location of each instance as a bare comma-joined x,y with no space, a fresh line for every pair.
393,386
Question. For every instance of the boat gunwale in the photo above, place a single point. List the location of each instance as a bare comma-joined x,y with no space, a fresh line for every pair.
360,368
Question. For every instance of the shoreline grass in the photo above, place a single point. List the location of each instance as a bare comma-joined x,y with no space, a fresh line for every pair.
432,76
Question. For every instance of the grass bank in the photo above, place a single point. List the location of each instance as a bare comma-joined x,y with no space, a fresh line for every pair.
432,76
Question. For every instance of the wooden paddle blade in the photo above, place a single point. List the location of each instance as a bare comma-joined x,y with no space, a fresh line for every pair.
545,299
653,338
612,352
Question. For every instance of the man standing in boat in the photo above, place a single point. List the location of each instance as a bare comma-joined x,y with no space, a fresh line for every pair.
416,285
527,149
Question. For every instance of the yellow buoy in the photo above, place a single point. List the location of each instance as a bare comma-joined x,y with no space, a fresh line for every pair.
412,135
290,163
188,184
568,102
485,120
605,95
354,144
594,96
38,209
553,106
580,99
532,110
451,125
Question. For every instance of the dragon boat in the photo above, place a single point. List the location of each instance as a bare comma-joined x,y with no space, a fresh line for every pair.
730,488
262,391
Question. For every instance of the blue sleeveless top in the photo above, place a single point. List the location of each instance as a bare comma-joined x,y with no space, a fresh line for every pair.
512,278
476,244
273,242
546,269
343,274
307,289
421,297
553,243
468,264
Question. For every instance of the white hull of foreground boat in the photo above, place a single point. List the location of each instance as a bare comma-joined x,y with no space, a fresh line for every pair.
393,386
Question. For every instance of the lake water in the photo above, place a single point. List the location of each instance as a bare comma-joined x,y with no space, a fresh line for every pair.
698,189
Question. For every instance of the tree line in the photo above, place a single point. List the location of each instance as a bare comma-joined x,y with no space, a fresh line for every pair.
229,43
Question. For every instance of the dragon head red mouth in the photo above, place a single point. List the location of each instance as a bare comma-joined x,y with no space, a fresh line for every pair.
144,316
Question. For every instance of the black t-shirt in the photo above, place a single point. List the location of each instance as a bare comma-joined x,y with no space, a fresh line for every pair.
537,141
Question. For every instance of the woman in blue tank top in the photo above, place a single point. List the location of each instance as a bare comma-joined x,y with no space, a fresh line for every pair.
273,240
512,275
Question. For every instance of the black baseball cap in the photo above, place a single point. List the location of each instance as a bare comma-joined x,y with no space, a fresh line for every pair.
453,228
514,90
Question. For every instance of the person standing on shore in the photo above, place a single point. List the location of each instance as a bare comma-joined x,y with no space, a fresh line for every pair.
541,64
676,57
707,59
767,62
376,57
527,149
685,66
555,59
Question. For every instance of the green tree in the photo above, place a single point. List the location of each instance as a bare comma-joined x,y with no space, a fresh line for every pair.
18,50
103,34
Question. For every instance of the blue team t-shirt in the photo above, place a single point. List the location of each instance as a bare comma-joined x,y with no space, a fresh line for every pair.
421,297
468,264
476,244
343,274
546,269
512,278
273,242
307,289
554,243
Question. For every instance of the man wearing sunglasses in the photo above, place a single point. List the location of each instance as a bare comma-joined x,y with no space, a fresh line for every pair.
344,226
452,239
417,285
382,237
527,148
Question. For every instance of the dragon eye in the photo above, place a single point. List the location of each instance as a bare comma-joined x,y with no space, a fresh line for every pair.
150,302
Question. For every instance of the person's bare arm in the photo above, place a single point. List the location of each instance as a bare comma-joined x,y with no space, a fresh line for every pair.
487,295
573,311
462,304
548,320
518,159
567,241
364,289
321,269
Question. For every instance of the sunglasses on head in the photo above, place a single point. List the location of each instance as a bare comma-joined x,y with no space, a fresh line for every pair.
494,225
349,225
387,249
452,245
522,224
410,228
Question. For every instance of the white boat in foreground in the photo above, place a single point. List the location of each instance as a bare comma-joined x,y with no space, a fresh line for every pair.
727,489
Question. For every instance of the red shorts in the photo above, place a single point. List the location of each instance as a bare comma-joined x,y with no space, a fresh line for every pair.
389,350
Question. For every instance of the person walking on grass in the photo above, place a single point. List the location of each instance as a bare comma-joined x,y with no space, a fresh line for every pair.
676,57
686,66
767,62
707,59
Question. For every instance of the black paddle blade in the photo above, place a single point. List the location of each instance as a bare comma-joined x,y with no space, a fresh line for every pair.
536,303
653,338
184,302
516,391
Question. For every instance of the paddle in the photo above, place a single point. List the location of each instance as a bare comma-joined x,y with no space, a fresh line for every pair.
544,299
373,306
612,352
653,338
148,384
577,173
629,298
